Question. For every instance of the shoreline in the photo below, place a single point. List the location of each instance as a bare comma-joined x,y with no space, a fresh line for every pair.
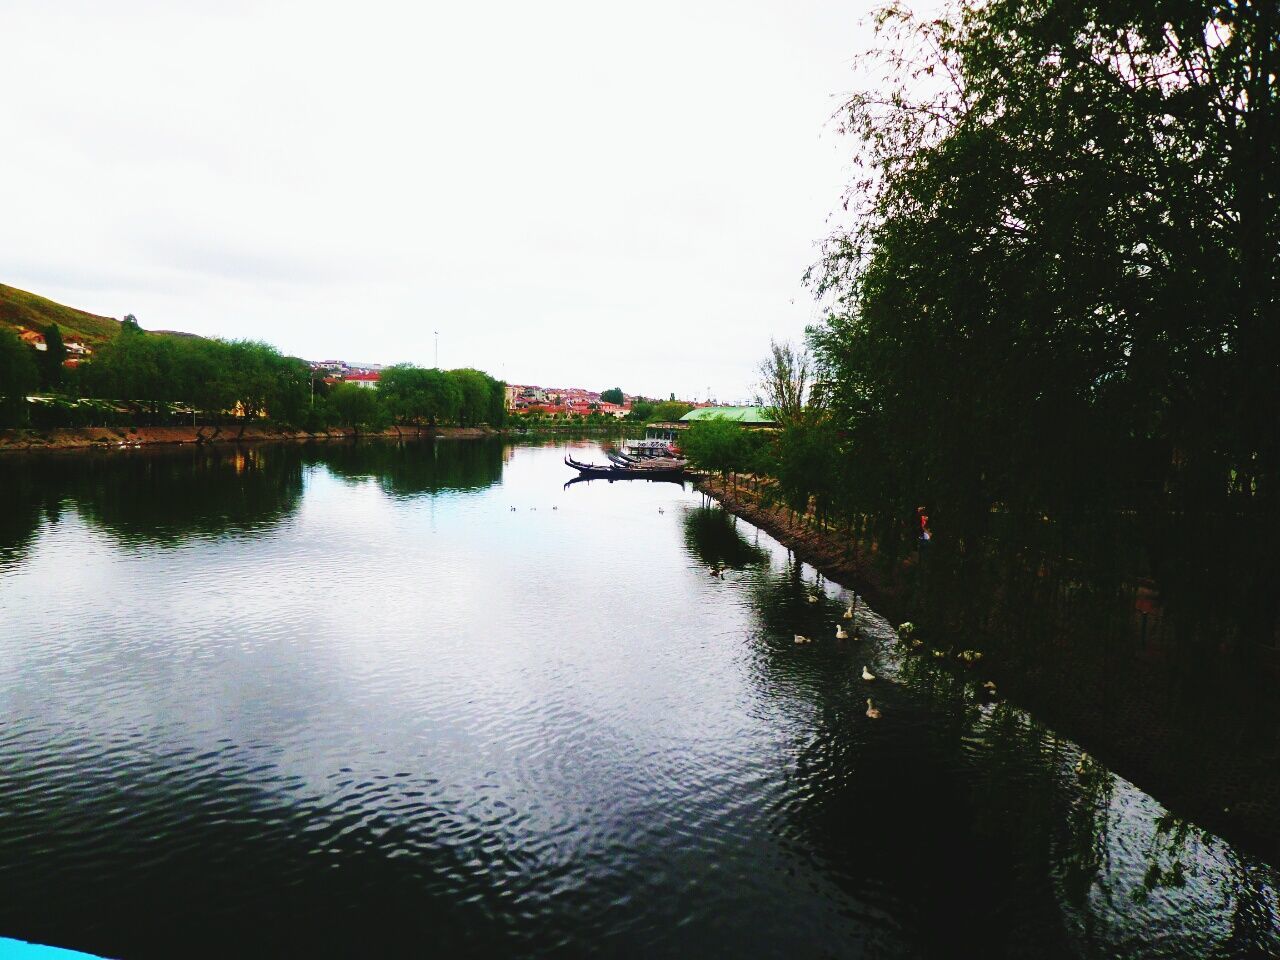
70,439
1200,772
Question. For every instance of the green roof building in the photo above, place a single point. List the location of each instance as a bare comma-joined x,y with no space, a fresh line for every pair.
751,416
667,433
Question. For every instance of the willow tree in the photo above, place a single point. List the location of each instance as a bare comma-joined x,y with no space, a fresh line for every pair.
1057,292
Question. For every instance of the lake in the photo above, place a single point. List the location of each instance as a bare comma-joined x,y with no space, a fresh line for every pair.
340,699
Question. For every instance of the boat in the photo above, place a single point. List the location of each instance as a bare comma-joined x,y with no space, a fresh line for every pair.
620,469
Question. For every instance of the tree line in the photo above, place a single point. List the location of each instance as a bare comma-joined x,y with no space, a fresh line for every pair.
166,378
1051,314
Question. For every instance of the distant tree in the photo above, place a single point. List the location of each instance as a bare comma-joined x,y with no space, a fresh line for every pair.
785,375
642,409
478,391
52,358
670,410
718,445
355,407
129,325
612,395
19,376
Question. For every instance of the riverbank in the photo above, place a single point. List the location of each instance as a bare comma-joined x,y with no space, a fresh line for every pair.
1205,754
107,438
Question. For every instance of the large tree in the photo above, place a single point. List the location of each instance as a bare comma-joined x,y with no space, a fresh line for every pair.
1058,294
19,376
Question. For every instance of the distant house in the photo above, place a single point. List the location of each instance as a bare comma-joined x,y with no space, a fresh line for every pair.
33,339
76,349
367,381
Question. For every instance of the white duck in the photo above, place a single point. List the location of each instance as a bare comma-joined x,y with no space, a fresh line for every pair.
812,598
841,632
802,639
848,612
867,674
873,712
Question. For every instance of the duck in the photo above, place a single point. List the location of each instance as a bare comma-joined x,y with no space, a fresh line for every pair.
513,509
970,657
939,654
660,510
873,712
555,508
917,644
867,674
906,629
813,598
841,632
802,639
990,687
848,613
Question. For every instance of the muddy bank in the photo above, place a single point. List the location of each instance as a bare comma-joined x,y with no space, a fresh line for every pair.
106,438
1209,752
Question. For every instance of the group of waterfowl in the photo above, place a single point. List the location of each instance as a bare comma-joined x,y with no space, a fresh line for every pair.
873,712
970,658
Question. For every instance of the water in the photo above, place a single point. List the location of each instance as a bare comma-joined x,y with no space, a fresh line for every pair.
336,700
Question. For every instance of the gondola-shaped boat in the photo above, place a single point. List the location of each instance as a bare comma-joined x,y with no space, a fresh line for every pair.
670,469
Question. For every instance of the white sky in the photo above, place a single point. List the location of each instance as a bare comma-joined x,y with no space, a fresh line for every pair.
574,194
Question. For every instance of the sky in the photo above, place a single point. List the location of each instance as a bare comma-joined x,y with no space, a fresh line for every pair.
572,194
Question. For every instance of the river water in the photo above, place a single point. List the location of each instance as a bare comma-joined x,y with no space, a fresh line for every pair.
426,700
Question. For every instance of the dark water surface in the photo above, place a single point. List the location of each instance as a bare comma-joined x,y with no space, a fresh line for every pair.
344,701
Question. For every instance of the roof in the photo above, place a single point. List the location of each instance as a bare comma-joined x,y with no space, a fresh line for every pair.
741,414
364,377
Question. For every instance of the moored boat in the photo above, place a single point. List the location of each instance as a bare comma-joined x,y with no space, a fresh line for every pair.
668,468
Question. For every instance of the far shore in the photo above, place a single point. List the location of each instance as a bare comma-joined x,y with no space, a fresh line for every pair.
114,438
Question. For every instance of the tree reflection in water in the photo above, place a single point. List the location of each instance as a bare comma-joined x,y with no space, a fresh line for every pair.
416,468
160,497
964,807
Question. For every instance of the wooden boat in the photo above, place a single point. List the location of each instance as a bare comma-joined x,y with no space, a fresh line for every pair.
668,469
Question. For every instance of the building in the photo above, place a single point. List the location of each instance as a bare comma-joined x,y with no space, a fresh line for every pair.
747,416
33,339
751,417
366,381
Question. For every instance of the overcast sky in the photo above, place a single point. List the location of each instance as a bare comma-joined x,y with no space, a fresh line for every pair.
573,194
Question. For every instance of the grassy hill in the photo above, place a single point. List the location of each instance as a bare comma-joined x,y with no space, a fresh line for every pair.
18,308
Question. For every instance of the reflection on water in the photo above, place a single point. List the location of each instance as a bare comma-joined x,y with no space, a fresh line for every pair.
332,699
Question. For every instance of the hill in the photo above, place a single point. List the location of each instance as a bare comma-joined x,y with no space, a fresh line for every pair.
18,308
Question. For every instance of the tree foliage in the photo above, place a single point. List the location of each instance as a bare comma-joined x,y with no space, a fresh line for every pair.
19,376
785,381
1058,294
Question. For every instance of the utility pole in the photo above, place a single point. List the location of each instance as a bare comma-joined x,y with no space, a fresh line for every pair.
437,364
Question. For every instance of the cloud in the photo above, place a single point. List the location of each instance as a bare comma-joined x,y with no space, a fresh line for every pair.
570,192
